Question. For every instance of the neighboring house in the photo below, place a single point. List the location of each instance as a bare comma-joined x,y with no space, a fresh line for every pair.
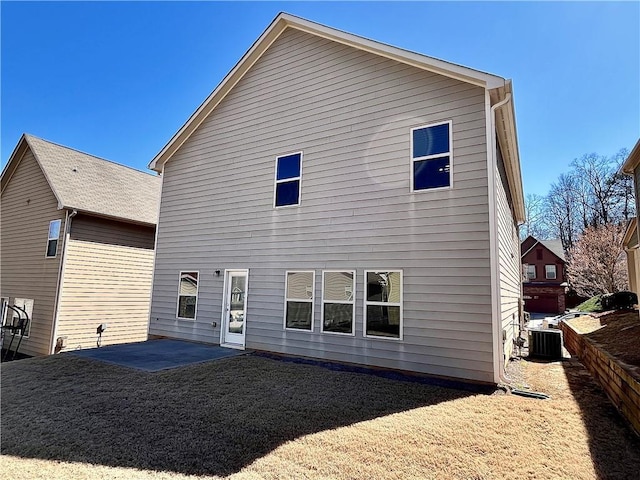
77,238
342,199
631,167
545,278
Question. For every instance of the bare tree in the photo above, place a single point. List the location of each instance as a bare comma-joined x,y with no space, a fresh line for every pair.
592,193
597,263
535,223
563,211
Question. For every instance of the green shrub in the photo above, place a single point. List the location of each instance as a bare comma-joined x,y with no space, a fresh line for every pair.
594,304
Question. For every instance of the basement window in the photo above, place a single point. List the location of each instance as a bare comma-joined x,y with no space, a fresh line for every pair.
431,156
54,235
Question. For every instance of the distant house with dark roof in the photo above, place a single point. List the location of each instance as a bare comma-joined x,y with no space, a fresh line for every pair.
544,264
77,240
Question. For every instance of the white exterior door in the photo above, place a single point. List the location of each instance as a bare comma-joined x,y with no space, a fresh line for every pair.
234,309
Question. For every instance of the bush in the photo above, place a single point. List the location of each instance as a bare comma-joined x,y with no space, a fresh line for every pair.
591,305
619,300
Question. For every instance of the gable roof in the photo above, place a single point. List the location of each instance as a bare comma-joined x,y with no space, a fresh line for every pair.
554,246
499,88
90,184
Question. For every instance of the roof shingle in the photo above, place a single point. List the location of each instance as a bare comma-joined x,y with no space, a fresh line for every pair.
90,184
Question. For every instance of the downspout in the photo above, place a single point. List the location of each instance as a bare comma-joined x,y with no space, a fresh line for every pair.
67,234
498,350
155,251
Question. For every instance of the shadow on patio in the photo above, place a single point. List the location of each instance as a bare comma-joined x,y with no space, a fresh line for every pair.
212,418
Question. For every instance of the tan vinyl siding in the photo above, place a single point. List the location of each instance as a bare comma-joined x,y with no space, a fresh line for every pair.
350,113
107,279
509,261
27,206
636,186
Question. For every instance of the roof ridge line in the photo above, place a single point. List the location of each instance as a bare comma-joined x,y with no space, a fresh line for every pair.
27,135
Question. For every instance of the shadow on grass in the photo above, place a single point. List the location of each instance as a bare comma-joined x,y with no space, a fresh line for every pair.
213,418
613,445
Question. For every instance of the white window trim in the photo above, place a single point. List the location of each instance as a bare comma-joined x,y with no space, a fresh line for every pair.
50,238
390,304
351,302
312,300
546,272
4,302
13,312
535,272
195,312
290,179
430,157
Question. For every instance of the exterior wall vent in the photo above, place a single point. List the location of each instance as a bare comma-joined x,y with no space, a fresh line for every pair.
546,343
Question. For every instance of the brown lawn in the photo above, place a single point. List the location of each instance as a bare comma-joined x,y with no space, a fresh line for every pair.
252,417
617,333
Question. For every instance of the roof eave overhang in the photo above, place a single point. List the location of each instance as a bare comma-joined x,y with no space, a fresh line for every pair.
506,132
110,217
14,161
632,161
273,31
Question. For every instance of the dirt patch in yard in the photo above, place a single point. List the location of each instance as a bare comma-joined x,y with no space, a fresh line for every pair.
252,417
617,333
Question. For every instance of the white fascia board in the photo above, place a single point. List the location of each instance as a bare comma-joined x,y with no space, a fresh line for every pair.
452,70
632,160
285,20
228,82
508,138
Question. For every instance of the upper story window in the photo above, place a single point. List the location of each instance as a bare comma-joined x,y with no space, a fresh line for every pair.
550,272
531,272
54,235
288,180
431,156
187,295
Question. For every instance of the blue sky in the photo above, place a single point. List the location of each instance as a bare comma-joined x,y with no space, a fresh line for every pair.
117,80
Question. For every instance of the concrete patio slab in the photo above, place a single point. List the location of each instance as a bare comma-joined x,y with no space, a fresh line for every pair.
156,355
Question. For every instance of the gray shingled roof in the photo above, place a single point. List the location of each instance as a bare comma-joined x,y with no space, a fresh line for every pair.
555,246
90,184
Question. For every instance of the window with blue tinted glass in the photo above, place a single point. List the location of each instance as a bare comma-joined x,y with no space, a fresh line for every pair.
288,177
431,156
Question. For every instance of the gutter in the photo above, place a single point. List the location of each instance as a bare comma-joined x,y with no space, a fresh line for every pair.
498,347
63,259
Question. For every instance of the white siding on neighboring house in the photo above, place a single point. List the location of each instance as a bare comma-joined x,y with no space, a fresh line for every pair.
350,113
107,279
509,261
